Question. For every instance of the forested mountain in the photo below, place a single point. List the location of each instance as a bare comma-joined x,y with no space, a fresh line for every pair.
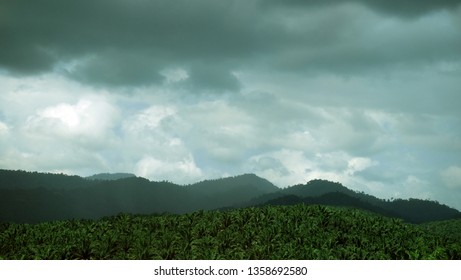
230,183
35,197
18,179
334,194
110,176
229,191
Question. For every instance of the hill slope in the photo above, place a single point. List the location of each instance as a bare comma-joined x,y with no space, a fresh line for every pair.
18,179
35,197
335,194
110,176
270,232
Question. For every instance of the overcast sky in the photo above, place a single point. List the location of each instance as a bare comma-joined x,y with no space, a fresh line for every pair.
366,93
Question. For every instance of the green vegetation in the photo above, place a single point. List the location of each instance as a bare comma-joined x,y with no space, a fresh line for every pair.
110,176
269,232
450,229
32,197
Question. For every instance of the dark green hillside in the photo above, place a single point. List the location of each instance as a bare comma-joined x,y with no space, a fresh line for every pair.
231,190
17,179
271,232
332,199
317,188
420,211
110,176
312,188
335,194
103,198
449,229
37,197
229,183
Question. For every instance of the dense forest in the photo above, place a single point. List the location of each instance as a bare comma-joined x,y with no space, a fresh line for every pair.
32,197
267,232
121,216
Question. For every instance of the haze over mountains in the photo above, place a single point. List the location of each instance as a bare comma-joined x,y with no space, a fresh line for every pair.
35,197
110,176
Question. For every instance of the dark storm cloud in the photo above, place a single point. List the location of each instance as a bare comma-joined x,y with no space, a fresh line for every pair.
117,68
129,43
213,77
403,8
410,7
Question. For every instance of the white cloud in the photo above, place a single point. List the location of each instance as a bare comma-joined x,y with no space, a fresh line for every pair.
69,115
149,118
3,129
289,167
283,168
183,171
90,119
451,176
358,164
218,130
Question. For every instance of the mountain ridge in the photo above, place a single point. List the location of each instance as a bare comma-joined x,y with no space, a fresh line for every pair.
35,197
110,176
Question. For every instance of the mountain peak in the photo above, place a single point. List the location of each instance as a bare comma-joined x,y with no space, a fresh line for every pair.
110,176
248,179
317,187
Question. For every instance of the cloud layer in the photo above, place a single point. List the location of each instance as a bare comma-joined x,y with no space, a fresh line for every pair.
361,92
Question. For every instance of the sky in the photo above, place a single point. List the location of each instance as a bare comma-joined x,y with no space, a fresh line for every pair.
365,93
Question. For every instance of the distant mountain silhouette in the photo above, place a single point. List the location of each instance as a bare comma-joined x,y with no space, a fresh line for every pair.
312,188
35,197
232,190
18,179
230,183
335,194
110,176
333,199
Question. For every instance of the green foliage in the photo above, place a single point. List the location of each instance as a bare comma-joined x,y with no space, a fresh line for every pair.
270,232
450,229
32,197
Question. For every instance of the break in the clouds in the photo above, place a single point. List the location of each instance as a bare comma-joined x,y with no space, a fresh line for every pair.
366,93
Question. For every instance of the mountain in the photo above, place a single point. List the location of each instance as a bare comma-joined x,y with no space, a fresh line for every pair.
228,191
31,197
34,197
335,194
310,189
333,199
110,176
232,190
421,211
317,188
227,184
18,179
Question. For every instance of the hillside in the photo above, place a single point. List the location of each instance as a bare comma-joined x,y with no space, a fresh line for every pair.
110,176
18,179
34,197
333,199
230,183
314,188
231,190
269,232
335,194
